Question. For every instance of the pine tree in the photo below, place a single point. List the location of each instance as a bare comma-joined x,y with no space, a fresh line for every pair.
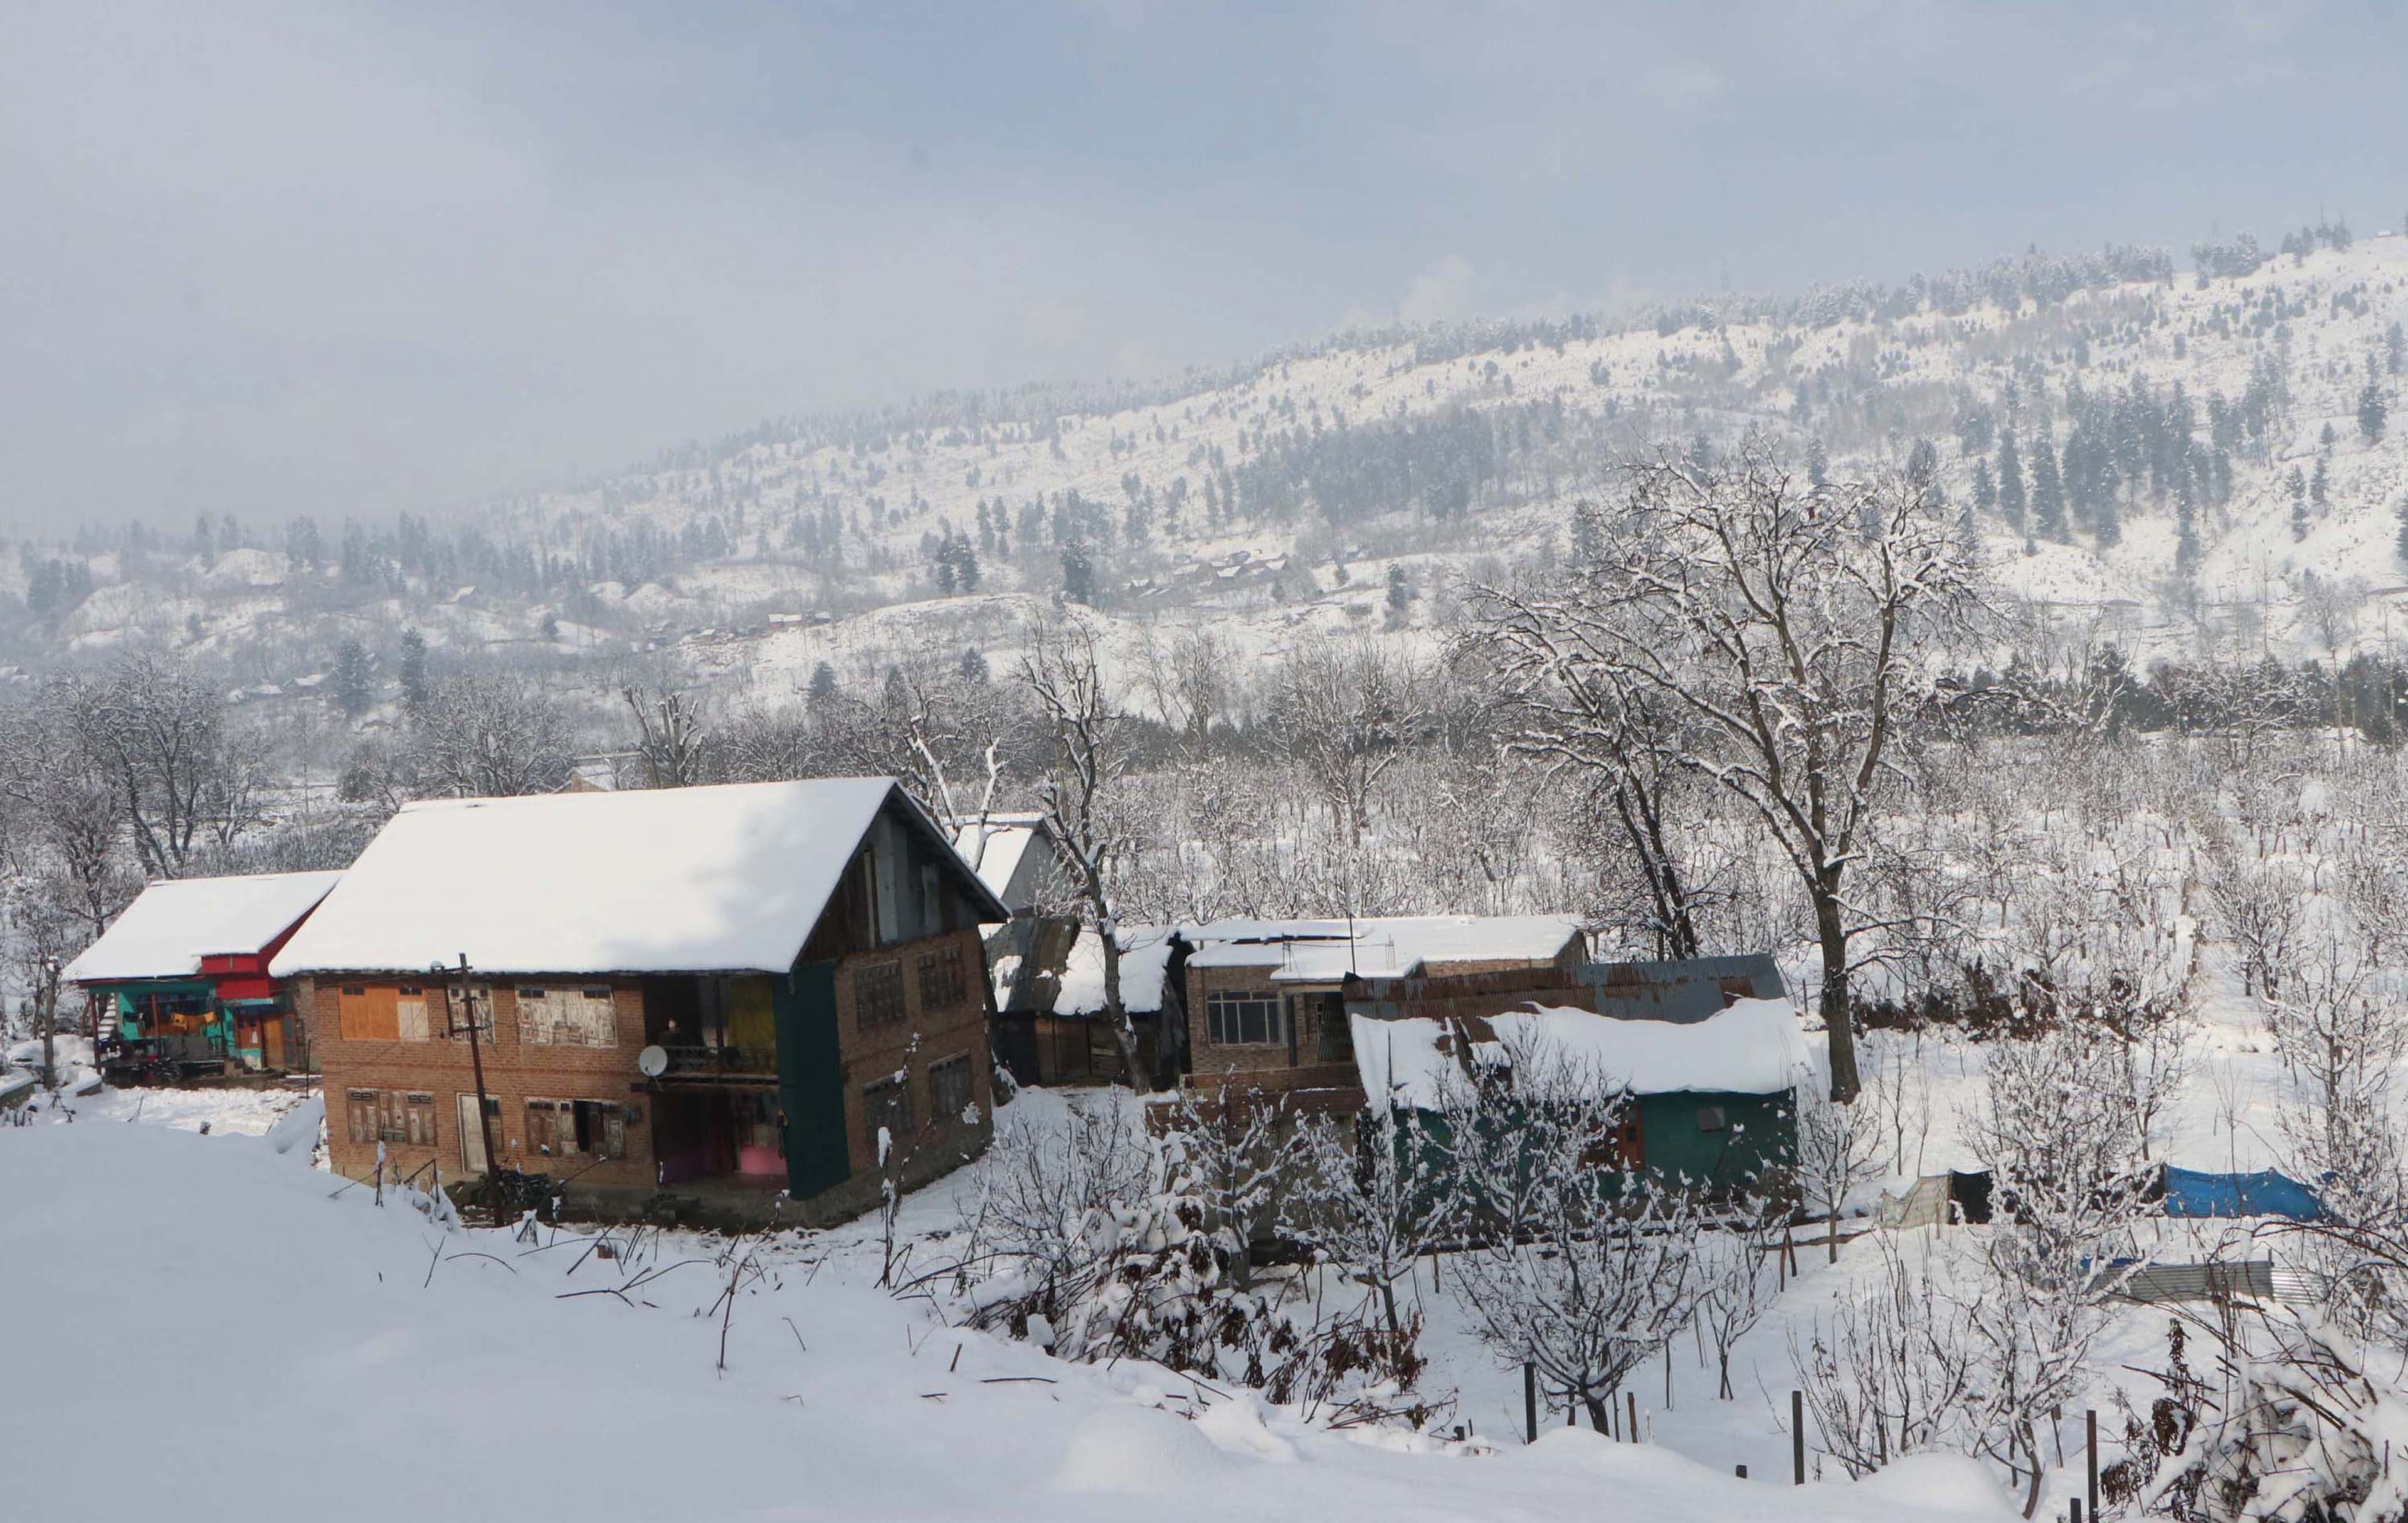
973,666
2372,412
413,667
2320,484
2402,542
1078,573
2048,491
2297,484
2011,482
354,687
1985,487
1818,463
823,686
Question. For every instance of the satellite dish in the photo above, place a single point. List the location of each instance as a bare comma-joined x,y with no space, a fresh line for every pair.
652,1063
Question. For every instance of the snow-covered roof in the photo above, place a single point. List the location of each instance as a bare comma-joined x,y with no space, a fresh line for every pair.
724,878
1394,946
1754,1047
995,849
174,924
1145,962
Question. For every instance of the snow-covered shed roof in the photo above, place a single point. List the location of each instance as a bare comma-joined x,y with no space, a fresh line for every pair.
1752,1047
1391,946
725,879
1078,991
173,924
1145,964
996,848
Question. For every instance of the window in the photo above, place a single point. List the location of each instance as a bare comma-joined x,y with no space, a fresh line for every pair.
1709,1118
601,1128
390,1116
551,1016
949,1088
942,985
878,993
1334,1031
549,1133
887,1105
1244,1017
415,1015
367,1013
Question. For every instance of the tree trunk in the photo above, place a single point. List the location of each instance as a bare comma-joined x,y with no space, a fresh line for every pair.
1596,1417
1838,1020
1123,1038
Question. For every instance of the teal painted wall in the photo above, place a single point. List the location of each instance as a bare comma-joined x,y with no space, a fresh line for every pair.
810,1079
1758,1136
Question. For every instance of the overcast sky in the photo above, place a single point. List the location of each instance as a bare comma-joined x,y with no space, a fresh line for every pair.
274,258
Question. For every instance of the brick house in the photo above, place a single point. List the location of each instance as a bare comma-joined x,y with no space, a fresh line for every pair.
1267,1000
705,1003
178,984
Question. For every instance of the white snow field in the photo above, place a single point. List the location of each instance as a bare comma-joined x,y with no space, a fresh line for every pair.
205,1328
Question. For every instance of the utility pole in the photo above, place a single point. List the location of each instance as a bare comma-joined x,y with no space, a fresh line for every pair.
477,1067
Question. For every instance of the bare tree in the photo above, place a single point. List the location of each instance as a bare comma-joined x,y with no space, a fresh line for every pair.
670,737
1883,1373
158,732
1347,711
1371,1203
1589,1268
1839,1148
1734,1289
1788,627
488,735
1078,792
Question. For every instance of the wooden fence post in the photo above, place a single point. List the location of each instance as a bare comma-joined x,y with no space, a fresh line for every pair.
1530,1399
2091,1434
1797,1437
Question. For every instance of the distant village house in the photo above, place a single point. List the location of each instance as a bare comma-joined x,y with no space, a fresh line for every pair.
180,983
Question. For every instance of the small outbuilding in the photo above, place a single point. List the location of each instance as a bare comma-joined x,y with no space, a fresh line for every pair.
1712,1100
180,983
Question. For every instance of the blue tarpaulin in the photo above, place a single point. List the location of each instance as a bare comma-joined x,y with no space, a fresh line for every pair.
2266,1193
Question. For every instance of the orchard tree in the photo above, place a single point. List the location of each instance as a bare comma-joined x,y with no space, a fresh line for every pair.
1078,793
1789,630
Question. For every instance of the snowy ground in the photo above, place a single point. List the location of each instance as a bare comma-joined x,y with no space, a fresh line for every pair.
206,1327
263,1337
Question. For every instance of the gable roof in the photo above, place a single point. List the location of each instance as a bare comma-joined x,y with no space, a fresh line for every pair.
731,878
1387,946
995,849
1751,1047
175,923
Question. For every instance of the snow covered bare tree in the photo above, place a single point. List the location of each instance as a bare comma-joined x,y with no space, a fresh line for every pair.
1079,792
490,735
1590,1264
1790,629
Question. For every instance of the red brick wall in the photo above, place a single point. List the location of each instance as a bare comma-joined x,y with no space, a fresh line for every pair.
515,1072
929,1034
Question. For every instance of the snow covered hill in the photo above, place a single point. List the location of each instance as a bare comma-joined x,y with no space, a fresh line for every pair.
2205,432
